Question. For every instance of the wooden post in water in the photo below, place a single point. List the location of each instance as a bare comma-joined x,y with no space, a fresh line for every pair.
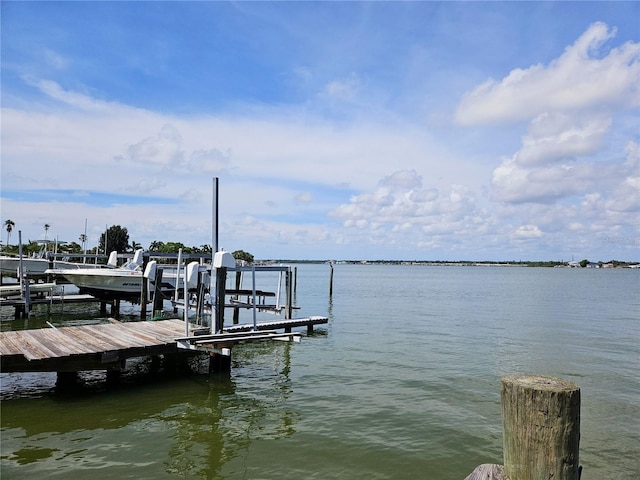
157,295
236,310
288,309
143,291
295,280
221,280
331,279
541,427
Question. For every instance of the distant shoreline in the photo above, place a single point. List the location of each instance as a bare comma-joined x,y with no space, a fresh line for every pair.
464,263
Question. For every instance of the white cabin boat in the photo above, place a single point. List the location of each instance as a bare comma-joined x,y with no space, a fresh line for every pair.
126,281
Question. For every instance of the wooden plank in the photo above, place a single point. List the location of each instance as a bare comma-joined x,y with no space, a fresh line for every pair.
48,341
138,332
167,328
110,343
128,335
35,350
86,338
59,339
10,344
152,330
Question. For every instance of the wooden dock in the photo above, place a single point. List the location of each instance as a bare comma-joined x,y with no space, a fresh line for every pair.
107,346
22,306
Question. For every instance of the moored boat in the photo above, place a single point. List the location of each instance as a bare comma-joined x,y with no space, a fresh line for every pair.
126,281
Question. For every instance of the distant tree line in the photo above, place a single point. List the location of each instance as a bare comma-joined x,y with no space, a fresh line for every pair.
115,238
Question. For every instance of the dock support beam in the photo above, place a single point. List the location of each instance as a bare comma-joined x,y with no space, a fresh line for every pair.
219,363
221,280
66,380
157,296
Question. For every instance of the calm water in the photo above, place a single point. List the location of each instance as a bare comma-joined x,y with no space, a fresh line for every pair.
403,383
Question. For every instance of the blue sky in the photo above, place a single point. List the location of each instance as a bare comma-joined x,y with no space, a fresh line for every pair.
338,130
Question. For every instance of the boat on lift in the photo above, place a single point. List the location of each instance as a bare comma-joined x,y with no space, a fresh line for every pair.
35,266
126,281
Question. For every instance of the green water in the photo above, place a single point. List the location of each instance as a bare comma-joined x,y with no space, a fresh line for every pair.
403,383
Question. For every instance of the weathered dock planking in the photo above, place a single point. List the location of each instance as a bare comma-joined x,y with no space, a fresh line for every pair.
107,346
85,347
287,325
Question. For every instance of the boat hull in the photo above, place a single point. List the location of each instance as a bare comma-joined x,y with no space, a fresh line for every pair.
114,284
36,267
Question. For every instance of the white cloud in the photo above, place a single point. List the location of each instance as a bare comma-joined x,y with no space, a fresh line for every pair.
400,211
163,149
527,231
583,77
558,136
70,98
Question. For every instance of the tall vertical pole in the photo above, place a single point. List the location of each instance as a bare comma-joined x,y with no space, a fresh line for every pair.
215,215
216,325
253,281
84,243
178,269
20,266
24,281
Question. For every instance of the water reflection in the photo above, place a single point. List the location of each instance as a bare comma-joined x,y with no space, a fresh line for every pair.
200,426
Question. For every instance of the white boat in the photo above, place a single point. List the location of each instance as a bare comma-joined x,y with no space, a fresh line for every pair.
126,281
35,266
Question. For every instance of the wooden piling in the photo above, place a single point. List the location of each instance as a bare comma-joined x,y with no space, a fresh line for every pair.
295,280
288,310
221,279
331,279
219,363
236,310
143,290
157,295
541,427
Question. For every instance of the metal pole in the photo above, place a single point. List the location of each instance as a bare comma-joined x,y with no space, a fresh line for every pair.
253,277
20,267
178,275
215,215
185,311
84,243
214,278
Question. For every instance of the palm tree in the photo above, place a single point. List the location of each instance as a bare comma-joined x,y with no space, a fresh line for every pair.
83,240
9,224
46,230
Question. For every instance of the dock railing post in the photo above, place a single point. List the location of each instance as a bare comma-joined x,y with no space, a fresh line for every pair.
288,311
157,295
221,280
144,290
253,290
541,427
